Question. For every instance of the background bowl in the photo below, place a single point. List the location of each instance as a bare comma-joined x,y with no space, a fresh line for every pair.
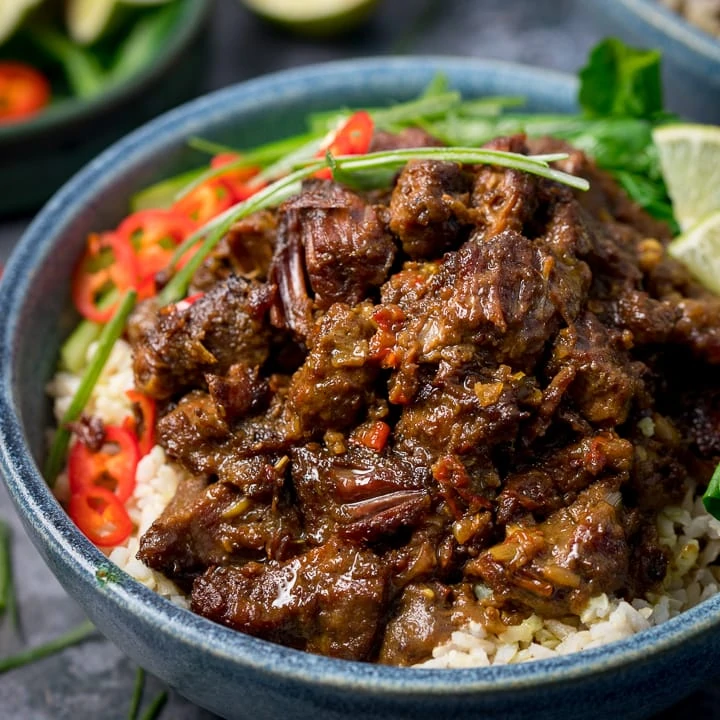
689,54
230,673
37,156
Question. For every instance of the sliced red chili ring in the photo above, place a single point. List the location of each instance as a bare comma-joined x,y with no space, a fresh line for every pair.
352,138
24,91
238,179
107,263
153,235
206,201
100,515
112,468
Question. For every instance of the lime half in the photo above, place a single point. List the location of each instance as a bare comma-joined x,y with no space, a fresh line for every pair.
88,20
690,161
12,13
699,250
313,17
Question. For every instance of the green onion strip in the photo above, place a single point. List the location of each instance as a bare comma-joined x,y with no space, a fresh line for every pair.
73,637
110,333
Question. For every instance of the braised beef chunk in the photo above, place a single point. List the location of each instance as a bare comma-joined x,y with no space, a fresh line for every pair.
462,397
219,524
422,620
556,566
336,223
336,382
224,327
246,250
428,207
330,600
358,495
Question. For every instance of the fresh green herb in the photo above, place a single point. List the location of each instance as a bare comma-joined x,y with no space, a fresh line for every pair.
621,81
82,68
142,42
261,155
72,637
137,694
711,498
155,707
110,333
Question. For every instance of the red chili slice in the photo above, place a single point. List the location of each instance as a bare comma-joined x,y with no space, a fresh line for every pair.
148,414
112,468
238,179
100,516
152,236
373,436
206,201
107,263
24,91
352,138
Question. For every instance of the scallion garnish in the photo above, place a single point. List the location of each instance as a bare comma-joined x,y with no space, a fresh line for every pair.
711,497
110,333
73,637
155,707
137,694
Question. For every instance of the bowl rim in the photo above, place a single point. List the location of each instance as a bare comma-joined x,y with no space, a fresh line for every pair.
193,14
687,42
62,544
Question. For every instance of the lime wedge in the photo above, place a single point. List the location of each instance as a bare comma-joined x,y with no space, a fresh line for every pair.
690,161
313,17
699,250
88,20
12,13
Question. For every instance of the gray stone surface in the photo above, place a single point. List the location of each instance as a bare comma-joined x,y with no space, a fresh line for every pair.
95,680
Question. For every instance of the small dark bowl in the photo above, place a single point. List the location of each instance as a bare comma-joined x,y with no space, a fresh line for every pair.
39,155
691,57
232,674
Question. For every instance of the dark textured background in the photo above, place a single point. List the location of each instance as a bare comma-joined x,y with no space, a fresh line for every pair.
95,680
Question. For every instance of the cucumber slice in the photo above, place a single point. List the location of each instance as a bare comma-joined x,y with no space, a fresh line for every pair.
313,17
12,14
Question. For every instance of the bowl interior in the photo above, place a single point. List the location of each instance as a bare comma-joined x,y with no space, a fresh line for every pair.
34,295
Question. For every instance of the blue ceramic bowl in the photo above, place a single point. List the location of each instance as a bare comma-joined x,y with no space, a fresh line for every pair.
232,674
691,57
37,156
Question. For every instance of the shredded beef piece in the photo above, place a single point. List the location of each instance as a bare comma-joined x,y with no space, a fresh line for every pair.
358,495
336,382
329,600
554,481
246,250
556,566
338,241
604,381
222,328
197,434
222,523
428,207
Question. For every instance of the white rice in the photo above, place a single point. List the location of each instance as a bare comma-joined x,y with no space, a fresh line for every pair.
691,534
